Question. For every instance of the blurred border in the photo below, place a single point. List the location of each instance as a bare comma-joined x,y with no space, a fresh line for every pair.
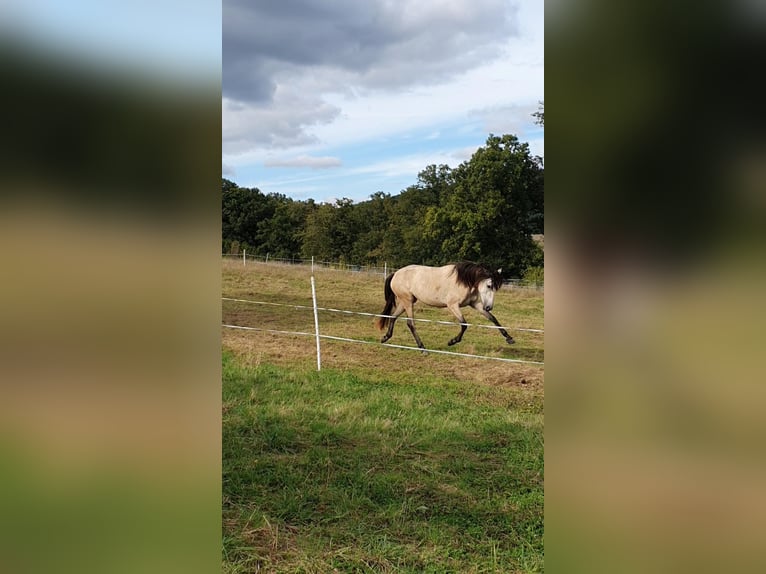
110,340
656,174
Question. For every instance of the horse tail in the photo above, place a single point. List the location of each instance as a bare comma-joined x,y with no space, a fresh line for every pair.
382,322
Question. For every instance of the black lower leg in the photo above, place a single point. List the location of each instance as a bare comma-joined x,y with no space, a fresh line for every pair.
459,336
390,331
503,332
411,325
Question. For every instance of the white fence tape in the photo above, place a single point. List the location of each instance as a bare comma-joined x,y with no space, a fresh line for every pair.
516,283
331,310
347,340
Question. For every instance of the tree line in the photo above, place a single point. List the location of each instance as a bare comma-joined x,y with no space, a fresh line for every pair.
485,210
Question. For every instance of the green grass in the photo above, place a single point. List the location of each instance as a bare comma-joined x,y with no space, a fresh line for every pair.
331,472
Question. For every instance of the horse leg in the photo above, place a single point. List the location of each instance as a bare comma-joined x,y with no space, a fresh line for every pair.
411,324
456,312
394,316
503,332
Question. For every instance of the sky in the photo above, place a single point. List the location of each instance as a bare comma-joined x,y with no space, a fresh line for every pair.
330,99
178,39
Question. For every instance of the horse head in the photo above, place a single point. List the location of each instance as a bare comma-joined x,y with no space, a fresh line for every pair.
487,287
480,279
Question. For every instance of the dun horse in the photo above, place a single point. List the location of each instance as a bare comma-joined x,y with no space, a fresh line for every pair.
452,286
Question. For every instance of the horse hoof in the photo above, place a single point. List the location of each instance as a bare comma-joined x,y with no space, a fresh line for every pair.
452,342
510,341
384,339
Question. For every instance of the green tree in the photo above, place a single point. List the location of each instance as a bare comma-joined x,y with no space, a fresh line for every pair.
484,210
227,185
281,235
537,213
537,201
316,240
371,220
406,241
486,215
242,212
330,231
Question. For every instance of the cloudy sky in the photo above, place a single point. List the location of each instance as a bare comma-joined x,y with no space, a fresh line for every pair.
326,99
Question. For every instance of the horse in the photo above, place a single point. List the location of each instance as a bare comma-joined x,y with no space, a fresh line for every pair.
452,286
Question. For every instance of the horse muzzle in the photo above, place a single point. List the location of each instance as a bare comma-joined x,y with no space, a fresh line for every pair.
488,308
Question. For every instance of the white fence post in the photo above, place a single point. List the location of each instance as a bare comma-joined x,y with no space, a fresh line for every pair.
385,269
316,324
312,267
267,258
244,261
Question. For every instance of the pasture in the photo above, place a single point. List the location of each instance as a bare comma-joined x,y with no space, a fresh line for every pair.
387,460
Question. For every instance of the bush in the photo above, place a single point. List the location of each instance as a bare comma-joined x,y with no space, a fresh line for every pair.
534,275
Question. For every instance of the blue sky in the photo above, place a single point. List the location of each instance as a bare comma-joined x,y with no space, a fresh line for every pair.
178,39
373,95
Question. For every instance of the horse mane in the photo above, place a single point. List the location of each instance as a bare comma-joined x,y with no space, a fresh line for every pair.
471,274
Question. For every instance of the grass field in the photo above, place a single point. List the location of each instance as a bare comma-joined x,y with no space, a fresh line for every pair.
387,460
363,292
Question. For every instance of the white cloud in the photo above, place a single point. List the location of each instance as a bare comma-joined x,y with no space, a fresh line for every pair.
278,125
374,89
498,86
312,162
461,155
508,118
290,68
382,44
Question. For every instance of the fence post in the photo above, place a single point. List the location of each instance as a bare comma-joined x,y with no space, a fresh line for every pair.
316,324
312,266
267,258
385,269
244,262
